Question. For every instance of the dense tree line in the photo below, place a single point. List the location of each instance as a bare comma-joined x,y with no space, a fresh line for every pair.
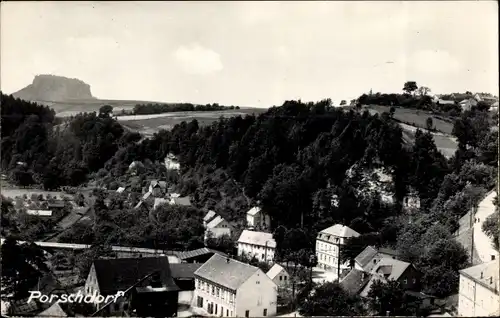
38,150
293,160
145,109
302,163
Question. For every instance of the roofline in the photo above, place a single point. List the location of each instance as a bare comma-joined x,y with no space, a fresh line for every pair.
479,282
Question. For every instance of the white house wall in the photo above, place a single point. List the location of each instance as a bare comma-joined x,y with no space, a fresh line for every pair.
259,292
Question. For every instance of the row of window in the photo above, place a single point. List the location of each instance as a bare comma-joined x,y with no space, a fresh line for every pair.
323,247
216,291
255,247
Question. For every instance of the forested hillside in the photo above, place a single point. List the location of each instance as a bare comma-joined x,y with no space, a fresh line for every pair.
306,164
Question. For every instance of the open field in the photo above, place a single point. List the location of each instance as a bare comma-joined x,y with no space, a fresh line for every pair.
416,118
411,119
149,124
75,106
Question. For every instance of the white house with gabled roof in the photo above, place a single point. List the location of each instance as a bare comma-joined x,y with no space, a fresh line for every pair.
259,244
279,275
218,227
328,244
225,287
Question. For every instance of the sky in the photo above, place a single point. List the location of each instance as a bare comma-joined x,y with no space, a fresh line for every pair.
251,53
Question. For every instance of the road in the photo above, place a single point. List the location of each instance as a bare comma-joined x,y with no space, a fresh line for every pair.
482,242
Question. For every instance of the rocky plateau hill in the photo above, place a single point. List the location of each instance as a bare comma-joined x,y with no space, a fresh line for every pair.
55,88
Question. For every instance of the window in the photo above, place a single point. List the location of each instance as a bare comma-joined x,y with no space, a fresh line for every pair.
262,256
247,313
414,281
281,278
213,290
227,312
218,291
223,294
405,281
257,282
265,312
285,277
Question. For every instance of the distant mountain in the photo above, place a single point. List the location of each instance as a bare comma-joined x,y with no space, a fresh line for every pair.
54,88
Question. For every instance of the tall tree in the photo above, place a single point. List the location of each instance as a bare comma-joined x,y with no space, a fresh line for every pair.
331,299
410,87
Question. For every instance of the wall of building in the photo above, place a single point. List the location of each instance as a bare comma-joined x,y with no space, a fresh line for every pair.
476,300
257,295
410,279
327,254
211,293
282,279
258,251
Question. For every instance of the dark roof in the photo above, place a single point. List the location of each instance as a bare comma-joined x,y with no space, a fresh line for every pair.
119,274
366,256
354,281
184,270
231,274
388,251
197,252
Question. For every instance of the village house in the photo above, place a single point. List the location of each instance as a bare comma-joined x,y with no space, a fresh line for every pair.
392,269
209,217
135,167
171,162
258,219
176,199
279,276
479,290
260,245
183,275
47,213
360,279
200,255
158,188
218,227
370,256
151,288
328,244
467,104
225,287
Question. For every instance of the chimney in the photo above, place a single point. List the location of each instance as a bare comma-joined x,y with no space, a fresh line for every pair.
481,275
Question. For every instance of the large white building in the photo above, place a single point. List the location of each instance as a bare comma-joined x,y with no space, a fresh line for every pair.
328,245
225,287
478,294
258,244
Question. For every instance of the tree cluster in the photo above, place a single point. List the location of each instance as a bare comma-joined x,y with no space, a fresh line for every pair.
145,109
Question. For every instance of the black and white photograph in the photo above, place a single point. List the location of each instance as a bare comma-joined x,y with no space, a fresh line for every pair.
249,158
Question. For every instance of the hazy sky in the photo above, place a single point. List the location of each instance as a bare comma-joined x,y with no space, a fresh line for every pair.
251,53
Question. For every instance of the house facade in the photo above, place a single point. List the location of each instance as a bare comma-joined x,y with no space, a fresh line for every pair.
279,276
328,245
217,228
151,288
225,287
258,219
260,245
478,292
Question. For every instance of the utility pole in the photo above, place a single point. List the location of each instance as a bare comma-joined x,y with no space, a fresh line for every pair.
265,252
